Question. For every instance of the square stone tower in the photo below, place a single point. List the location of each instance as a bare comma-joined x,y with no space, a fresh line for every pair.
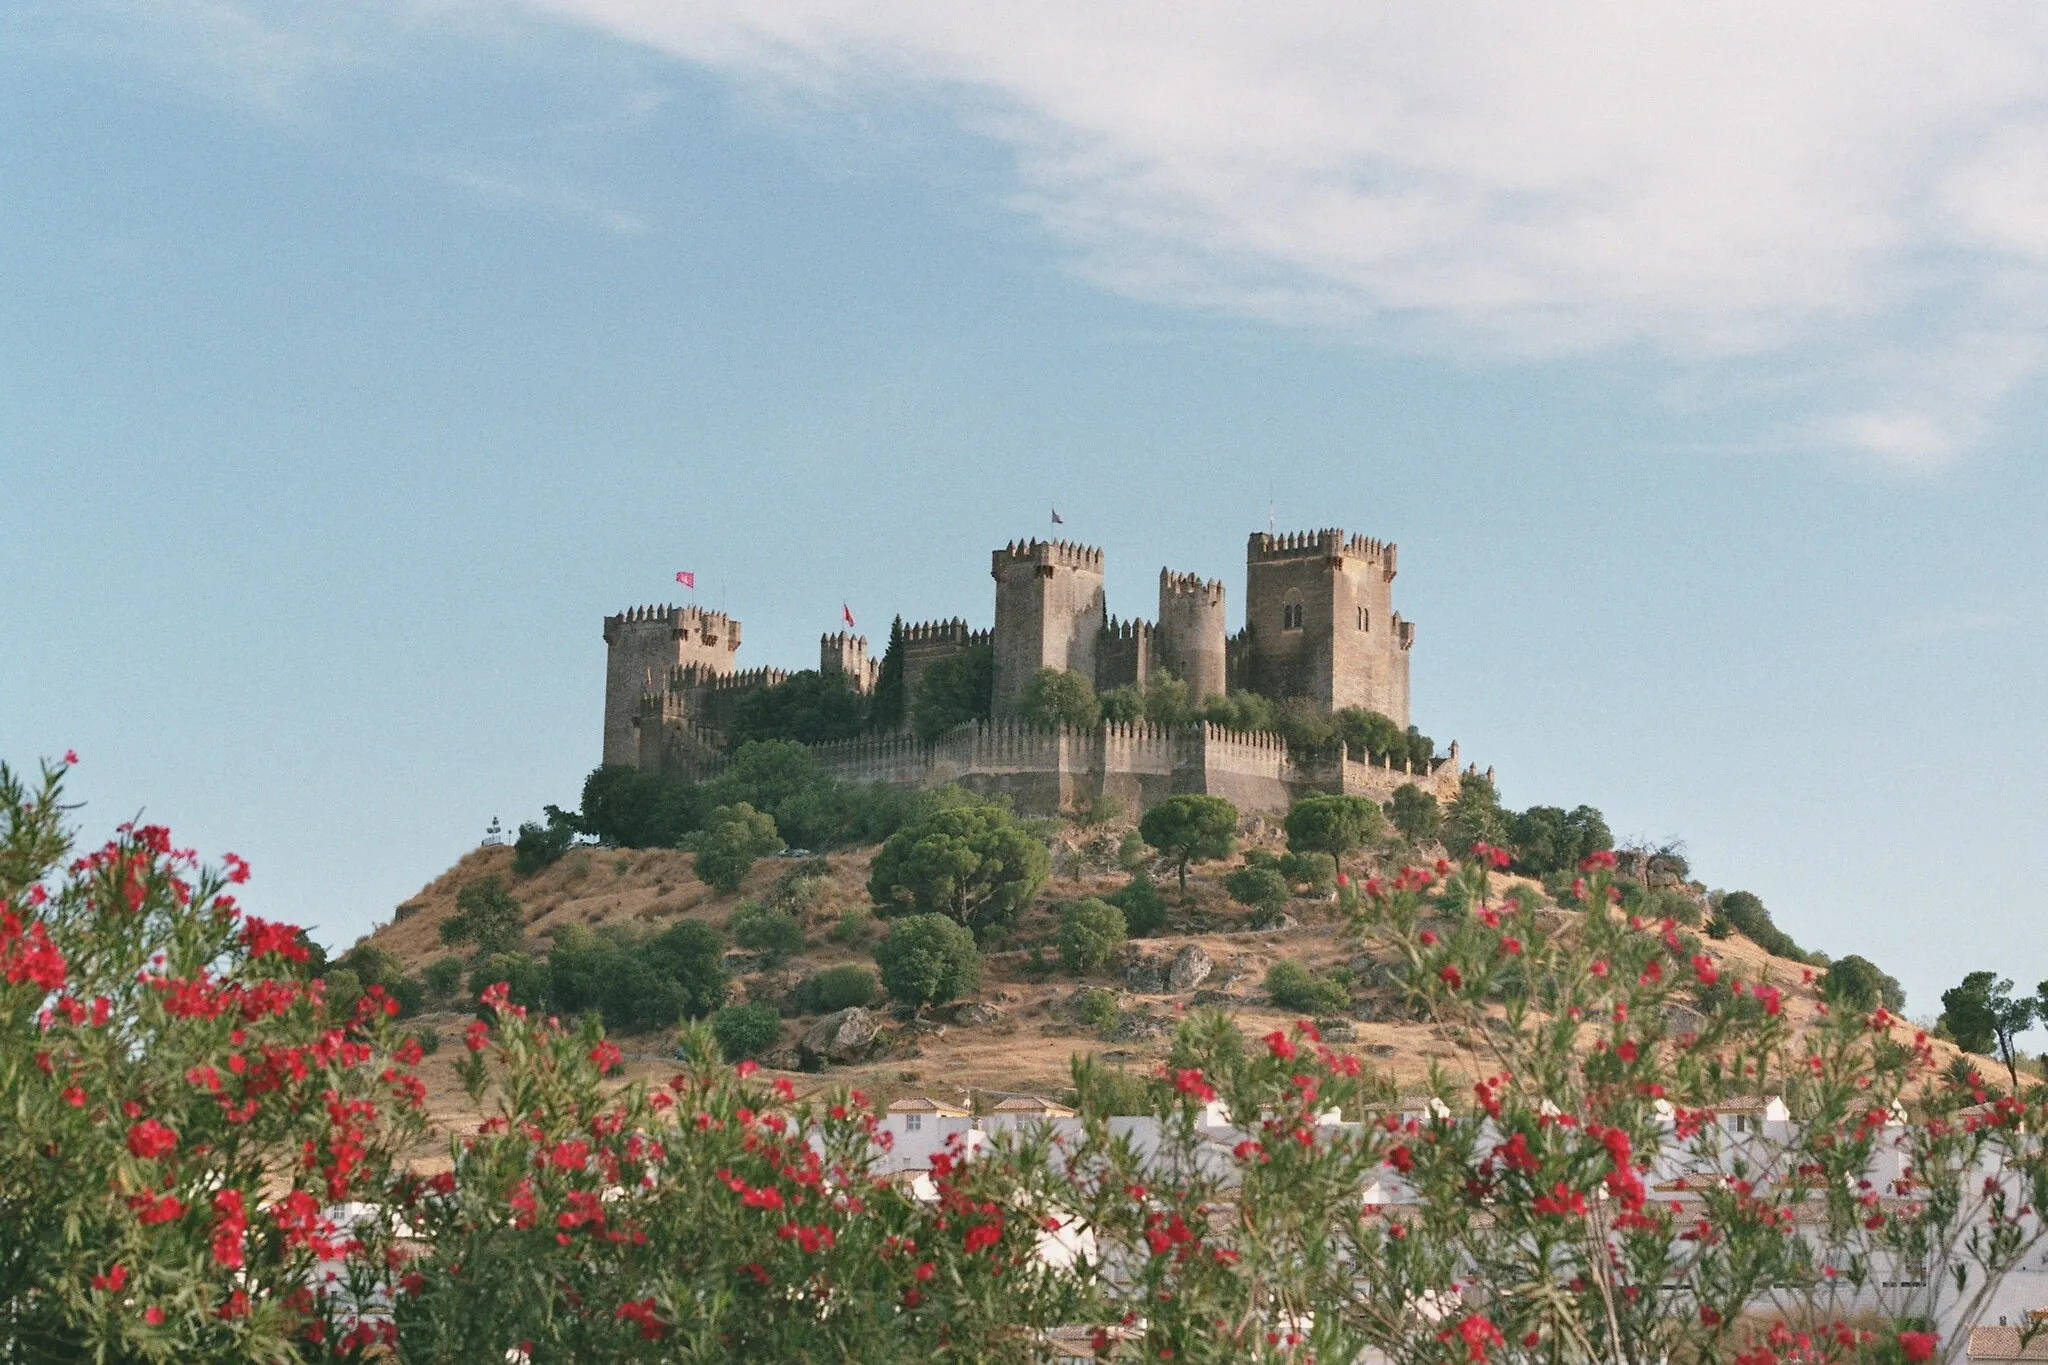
1050,612
1320,622
644,648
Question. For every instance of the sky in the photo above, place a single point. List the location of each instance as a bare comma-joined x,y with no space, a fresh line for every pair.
355,361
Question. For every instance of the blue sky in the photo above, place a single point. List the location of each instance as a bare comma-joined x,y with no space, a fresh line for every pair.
354,364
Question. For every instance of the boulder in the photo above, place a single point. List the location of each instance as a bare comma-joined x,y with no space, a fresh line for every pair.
1146,975
924,1028
972,1013
1206,996
784,1059
1134,1028
1191,967
1381,1049
841,1037
1337,1030
1369,973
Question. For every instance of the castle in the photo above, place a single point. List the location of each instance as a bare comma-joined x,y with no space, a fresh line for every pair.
1319,624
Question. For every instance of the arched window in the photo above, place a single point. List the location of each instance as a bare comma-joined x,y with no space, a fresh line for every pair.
1364,619
1292,613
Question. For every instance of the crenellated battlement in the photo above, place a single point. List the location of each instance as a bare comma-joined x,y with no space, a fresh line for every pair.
1329,542
748,680
1133,629
841,640
1067,553
952,632
1208,591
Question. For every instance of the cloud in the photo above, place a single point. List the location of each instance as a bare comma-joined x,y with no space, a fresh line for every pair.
509,188
1947,625
1719,184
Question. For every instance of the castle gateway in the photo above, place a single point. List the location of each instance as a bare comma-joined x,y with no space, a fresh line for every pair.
1319,624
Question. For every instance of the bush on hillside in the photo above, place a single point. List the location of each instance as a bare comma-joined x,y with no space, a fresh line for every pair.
745,1031
835,988
1314,873
1091,932
1475,815
1263,889
524,977
1549,839
1335,825
539,846
378,967
973,864
854,925
1415,813
1294,987
636,982
443,977
928,960
1858,983
486,915
1190,828
1097,1009
1144,908
1746,913
735,838
775,935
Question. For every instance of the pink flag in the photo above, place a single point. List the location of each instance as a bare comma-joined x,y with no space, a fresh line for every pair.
846,612
686,578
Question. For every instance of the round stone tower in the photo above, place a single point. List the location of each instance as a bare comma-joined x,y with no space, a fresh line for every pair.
1191,632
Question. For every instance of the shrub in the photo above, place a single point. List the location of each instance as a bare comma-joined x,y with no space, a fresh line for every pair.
952,691
1550,839
972,864
854,924
1475,815
1097,1009
1415,812
1294,987
1144,908
776,936
636,809
443,977
1091,931
485,914
928,960
1059,696
1335,825
1860,984
1317,872
539,846
1750,919
835,988
736,837
374,966
1187,828
1261,888
525,980
634,982
745,1030
808,707
429,1040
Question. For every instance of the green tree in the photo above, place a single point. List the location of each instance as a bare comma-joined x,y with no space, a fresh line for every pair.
772,933
836,988
808,707
1316,871
526,979
1335,825
1858,983
485,914
736,838
1144,908
745,1030
1264,889
1415,812
972,864
444,976
1294,987
1549,839
1091,931
1982,1014
1189,828
1059,696
954,690
636,809
1745,912
928,960
539,846
1370,734
889,708
1242,711
1475,815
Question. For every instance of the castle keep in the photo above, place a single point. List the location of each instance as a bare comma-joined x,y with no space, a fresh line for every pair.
1319,624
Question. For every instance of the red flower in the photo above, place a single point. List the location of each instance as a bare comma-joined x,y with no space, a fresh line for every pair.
230,1222
983,1235
74,1097
238,872
607,1055
1703,968
1918,1346
1278,1044
153,1315
1452,977
1478,1334
151,1209
641,1313
1770,998
151,1140
1603,858
747,1068
115,1278
1190,1082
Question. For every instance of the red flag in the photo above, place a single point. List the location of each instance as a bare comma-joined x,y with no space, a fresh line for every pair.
846,612
686,578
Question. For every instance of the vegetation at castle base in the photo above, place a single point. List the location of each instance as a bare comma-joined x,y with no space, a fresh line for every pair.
1144,908
1984,1016
973,864
734,839
1415,813
889,704
636,982
164,1203
1163,700
1091,931
1262,887
1293,986
1189,828
1059,696
928,960
1335,825
954,690
808,707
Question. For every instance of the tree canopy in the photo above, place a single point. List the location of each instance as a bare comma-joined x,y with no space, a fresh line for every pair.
1983,1016
1335,825
954,690
1059,696
973,864
928,960
810,707
1186,828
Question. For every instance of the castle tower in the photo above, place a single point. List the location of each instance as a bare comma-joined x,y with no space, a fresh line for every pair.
1190,642
1049,613
644,645
846,654
1320,622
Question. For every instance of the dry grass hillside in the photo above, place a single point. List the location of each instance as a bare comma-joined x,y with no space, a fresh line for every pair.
1026,1046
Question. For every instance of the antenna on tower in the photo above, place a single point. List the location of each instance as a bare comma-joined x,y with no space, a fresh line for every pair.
1271,520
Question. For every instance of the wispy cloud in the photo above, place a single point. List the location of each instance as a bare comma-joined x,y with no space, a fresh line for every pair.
552,196
1946,625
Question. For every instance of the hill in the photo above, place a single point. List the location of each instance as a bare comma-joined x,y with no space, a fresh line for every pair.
1023,1035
